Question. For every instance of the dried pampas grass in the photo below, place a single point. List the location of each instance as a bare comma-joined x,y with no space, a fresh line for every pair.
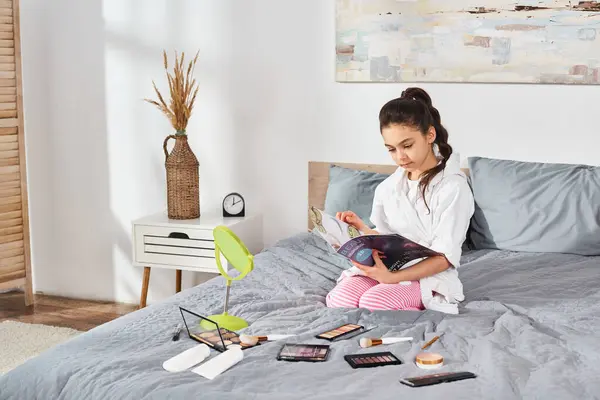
182,89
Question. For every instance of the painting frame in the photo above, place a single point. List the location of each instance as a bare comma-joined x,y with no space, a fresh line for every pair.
463,41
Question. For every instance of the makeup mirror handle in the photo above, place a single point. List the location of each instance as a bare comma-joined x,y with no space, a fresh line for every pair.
227,297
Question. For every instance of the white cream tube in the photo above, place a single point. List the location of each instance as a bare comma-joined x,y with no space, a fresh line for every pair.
219,364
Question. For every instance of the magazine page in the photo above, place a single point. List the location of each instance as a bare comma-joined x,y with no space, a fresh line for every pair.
397,250
334,231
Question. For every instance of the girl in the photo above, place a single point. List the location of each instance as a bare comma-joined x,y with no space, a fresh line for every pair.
427,200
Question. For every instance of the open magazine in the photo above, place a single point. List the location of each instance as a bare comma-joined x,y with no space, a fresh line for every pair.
351,243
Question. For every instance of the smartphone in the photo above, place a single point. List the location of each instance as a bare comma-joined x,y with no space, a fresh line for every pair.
434,379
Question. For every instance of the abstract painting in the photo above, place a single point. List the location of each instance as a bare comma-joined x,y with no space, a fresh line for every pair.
528,41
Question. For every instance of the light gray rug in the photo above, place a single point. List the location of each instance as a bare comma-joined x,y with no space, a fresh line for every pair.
20,342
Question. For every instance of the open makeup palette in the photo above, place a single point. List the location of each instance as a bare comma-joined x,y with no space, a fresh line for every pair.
369,360
207,331
345,331
304,352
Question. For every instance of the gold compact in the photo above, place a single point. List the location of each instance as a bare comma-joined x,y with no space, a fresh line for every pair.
429,360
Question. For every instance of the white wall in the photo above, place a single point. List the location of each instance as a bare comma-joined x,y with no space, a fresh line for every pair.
268,104
290,100
95,157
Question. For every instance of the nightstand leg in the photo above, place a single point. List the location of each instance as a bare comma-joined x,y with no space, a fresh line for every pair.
145,283
178,281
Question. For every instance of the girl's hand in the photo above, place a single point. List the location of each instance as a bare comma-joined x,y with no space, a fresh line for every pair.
351,218
379,271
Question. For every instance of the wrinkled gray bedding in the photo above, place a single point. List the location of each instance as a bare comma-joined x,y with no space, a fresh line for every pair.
528,327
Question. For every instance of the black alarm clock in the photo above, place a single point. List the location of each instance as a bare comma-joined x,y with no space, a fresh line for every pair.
234,205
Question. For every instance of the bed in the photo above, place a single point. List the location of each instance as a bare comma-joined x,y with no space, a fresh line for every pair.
528,329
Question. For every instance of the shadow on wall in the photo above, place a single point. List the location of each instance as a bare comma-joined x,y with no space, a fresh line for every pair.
76,235
73,229
85,229
135,38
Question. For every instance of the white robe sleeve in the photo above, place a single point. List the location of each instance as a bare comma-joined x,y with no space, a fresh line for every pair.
452,215
378,217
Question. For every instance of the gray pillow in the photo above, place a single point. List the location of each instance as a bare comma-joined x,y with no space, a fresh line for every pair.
535,207
352,190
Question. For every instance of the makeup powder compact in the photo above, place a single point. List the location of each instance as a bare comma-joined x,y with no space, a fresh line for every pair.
369,360
303,352
429,360
342,332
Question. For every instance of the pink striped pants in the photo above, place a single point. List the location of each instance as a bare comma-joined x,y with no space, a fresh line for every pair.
361,291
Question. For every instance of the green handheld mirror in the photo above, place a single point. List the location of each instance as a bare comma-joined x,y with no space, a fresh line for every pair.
240,258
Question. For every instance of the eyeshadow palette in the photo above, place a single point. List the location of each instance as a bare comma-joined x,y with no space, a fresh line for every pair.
303,352
206,331
342,332
369,360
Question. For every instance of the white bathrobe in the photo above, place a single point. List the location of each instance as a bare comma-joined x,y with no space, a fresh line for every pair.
398,207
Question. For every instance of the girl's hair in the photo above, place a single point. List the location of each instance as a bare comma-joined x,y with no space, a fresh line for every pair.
414,108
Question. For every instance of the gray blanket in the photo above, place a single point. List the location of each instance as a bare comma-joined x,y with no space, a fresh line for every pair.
528,328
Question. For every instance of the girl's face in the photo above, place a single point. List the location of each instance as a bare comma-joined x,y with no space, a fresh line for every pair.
409,148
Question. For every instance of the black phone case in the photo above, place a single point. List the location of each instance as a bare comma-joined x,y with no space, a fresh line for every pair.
435,379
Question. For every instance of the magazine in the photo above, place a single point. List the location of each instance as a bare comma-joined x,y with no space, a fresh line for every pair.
346,240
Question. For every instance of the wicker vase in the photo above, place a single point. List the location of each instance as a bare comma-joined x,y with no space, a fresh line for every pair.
183,192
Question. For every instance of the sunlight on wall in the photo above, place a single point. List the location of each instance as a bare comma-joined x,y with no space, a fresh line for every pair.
135,38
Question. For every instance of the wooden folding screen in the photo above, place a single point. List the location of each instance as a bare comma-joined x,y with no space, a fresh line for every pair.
15,260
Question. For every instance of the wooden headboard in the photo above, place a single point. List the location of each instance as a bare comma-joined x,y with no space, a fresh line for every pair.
318,179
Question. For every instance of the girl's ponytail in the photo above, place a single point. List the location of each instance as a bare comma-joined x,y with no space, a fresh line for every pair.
414,108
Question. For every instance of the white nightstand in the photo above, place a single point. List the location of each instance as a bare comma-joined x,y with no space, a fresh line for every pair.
160,242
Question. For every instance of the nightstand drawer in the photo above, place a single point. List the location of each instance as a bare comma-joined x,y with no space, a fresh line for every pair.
169,233
189,263
179,251
191,243
160,242
185,247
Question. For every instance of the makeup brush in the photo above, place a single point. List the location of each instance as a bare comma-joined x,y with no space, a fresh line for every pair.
252,340
432,341
369,342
